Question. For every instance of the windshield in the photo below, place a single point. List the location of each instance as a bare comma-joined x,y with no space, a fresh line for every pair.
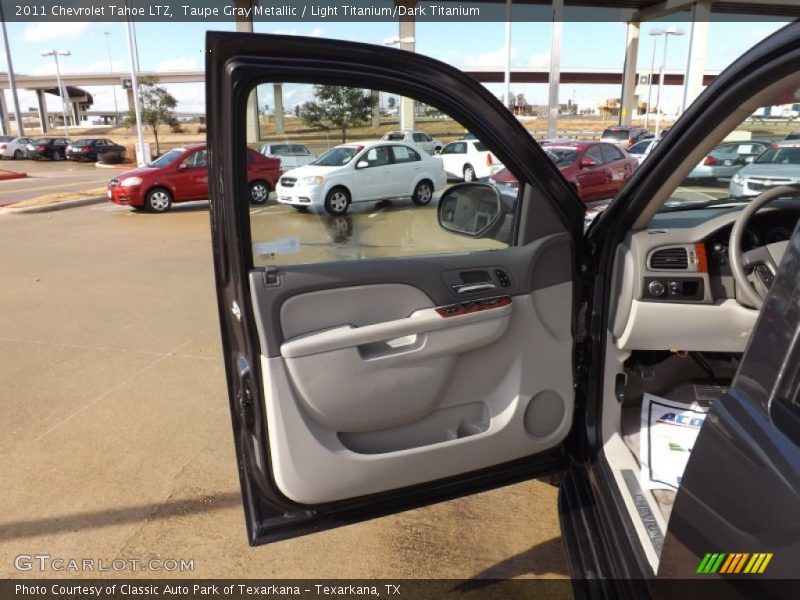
615,134
563,156
166,159
337,157
42,140
781,155
84,142
639,148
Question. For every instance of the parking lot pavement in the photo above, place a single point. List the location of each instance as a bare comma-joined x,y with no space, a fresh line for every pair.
47,177
117,439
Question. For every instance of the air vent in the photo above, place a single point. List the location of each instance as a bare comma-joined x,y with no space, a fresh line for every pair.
673,259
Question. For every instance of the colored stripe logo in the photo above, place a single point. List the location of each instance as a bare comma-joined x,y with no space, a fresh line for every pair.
734,563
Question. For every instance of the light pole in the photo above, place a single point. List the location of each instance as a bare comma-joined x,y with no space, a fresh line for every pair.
11,82
655,33
137,110
61,91
111,70
667,32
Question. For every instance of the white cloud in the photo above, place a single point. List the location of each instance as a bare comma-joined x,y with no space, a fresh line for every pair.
541,59
43,31
191,97
179,64
497,58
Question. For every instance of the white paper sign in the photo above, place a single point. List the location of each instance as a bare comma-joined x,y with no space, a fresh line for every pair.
668,433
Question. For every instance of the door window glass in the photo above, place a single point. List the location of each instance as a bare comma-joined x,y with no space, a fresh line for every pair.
404,154
595,153
378,156
337,208
611,153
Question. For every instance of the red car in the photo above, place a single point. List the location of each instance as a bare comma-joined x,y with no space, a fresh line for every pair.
181,175
597,170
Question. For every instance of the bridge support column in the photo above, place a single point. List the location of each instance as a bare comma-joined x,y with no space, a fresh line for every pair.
4,126
76,113
41,103
131,99
555,67
245,25
627,107
376,108
277,100
407,42
696,54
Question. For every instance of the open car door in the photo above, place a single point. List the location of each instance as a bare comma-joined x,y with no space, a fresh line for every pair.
376,361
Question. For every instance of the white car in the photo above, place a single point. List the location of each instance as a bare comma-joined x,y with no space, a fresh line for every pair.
290,155
469,160
362,172
641,150
419,138
13,147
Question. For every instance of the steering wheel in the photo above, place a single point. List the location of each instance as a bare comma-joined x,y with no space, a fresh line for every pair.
755,270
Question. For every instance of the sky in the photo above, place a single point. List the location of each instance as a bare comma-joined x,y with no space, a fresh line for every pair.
174,47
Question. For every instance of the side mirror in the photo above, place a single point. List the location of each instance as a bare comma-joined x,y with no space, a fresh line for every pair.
183,167
470,209
588,163
362,164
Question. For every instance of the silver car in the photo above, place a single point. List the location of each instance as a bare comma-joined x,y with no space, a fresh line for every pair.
727,159
420,138
779,165
291,156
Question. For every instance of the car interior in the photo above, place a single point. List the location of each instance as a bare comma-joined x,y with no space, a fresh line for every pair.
683,311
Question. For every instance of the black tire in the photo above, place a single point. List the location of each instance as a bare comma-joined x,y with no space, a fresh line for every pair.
259,192
158,200
56,155
18,155
469,173
423,193
337,201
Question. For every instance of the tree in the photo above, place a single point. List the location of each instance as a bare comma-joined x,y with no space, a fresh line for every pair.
158,106
391,102
337,106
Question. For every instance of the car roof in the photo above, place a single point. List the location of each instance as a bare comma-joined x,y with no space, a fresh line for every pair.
369,143
570,144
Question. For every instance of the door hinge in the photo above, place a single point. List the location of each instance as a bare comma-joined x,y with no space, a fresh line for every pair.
244,389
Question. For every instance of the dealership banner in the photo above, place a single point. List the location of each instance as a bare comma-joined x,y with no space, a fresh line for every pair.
409,589
319,11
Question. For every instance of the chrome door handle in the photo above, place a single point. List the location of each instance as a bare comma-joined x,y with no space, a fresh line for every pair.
474,287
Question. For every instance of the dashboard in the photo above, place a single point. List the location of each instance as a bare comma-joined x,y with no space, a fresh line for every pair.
764,228
674,285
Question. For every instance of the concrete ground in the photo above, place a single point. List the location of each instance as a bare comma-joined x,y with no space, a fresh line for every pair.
117,440
47,177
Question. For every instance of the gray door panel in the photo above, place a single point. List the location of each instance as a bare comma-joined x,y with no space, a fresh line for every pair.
534,266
